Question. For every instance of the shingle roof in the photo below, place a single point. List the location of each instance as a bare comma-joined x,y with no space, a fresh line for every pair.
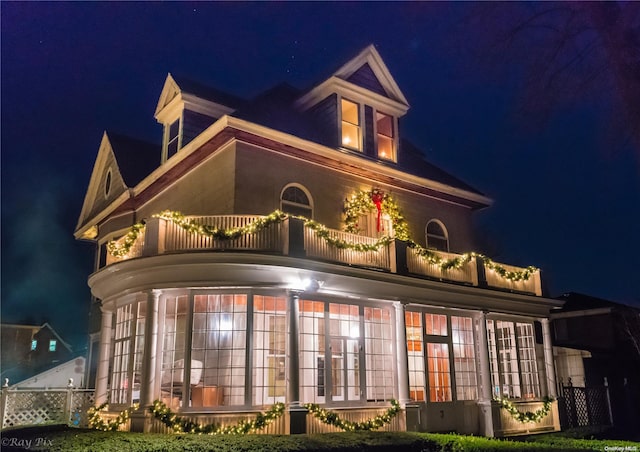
136,158
206,92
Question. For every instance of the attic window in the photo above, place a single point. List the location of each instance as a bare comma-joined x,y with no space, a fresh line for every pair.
107,184
351,125
52,345
34,344
173,138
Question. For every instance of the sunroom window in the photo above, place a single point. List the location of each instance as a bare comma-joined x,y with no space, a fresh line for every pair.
512,358
351,126
386,137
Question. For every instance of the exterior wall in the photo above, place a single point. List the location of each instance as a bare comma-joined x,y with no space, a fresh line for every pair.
193,125
325,115
570,367
258,191
117,187
206,190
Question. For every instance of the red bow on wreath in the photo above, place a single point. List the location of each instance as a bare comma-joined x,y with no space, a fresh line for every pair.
377,196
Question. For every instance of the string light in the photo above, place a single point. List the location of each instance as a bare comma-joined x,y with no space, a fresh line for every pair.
359,204
527,416
96,422
374,423
180,424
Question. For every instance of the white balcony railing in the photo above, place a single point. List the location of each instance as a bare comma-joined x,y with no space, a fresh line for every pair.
161,236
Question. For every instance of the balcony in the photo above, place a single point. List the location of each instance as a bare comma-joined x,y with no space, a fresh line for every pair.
296,238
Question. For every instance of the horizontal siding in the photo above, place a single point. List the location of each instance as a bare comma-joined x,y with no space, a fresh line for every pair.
194,124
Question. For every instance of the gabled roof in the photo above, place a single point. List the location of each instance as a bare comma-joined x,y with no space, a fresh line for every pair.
365,75
200,97
579,302
129,159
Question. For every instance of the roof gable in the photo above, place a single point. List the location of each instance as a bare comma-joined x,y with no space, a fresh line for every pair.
364,77
122,162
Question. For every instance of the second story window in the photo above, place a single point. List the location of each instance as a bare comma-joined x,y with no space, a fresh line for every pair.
52,345
34,344
437,237
385,136
172,136
294,200
351,128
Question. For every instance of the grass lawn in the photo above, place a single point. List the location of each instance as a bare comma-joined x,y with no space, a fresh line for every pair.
63,438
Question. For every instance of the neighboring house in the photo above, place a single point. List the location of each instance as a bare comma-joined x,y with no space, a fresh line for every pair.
70,372
606,336
30,349
364,290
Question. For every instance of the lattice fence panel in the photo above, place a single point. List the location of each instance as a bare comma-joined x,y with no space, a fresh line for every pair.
584,406
32,408
81,401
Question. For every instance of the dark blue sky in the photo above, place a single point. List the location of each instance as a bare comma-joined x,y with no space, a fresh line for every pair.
566,184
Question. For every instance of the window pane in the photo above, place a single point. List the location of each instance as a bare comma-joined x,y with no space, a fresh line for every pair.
269,339
464,358
350,124
439,372
350,112
378,354
384,125
413,322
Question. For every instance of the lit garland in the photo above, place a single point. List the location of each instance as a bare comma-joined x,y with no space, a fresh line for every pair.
527,416
182,425
331,418
361,203
118,249
96,422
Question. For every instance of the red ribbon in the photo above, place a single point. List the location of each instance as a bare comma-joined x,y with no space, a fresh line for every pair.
377,198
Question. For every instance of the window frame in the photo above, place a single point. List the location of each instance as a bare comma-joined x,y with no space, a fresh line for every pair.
167,140
359,126
295,205
444,237
394,136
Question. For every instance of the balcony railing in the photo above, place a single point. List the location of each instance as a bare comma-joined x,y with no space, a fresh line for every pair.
292,238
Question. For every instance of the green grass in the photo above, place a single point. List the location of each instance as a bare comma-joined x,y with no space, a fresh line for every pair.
63,438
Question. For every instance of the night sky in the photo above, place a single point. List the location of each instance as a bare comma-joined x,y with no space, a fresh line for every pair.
540,119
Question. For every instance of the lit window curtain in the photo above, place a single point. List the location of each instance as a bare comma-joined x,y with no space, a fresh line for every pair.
439,372
120,379
218,355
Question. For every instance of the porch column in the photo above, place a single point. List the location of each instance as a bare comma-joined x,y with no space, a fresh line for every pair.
549,368
402,359
297,413
485,397
102,373
293,388
148,377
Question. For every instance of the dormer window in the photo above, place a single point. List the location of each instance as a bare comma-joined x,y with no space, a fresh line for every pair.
351,128
386,137
172,138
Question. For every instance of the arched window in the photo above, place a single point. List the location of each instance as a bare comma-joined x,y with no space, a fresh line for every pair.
437,237
296,200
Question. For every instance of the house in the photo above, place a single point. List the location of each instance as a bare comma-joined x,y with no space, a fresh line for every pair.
598,342
30,349
296,248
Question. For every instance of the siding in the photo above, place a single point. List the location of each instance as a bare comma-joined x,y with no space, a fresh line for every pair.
325,117
100,202
367,79
194,124
369,140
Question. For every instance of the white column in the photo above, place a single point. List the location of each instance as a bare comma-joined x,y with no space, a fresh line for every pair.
148,377
293,387
402,359
102,373
549,368
485,396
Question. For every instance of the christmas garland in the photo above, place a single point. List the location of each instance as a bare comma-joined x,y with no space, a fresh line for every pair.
527,416
360,203
96,422
182,425
331,418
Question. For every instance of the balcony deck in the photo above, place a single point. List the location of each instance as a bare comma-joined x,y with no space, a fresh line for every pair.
291,237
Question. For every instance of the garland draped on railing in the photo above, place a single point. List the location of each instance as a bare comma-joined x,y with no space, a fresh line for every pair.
96,422
118,249
332,418
182,425
527,416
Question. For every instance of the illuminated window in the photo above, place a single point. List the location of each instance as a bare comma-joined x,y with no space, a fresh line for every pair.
34,344
439,372
120,381
386,142
294,200
351,129
435,324
464,358
269,349
415,354
512,358
436,236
